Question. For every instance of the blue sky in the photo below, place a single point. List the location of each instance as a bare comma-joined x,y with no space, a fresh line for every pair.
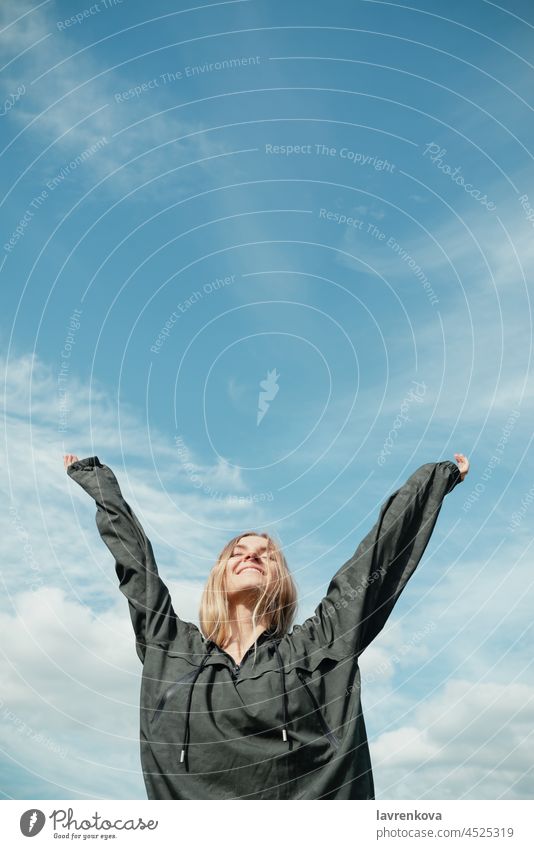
334,200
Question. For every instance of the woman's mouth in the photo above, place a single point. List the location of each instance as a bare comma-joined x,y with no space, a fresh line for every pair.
249,567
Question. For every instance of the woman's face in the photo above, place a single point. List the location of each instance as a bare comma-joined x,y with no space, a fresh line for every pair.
249,566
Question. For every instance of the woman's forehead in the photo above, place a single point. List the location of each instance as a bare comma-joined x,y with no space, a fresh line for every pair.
250,542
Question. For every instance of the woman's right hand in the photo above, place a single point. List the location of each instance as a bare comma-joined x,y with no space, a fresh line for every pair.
68,459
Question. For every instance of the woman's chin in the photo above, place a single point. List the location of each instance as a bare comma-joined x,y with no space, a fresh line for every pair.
247,585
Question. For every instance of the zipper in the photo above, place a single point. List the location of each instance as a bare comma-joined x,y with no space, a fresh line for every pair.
327,731
236,667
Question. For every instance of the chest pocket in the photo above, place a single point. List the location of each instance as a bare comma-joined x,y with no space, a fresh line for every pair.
317,711
182,683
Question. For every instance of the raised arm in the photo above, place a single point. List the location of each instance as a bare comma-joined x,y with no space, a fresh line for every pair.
363,592
151,611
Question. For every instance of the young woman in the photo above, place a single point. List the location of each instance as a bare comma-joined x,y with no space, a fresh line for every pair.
244,707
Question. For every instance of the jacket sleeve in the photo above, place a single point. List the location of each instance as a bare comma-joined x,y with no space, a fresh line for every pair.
363,592
151,611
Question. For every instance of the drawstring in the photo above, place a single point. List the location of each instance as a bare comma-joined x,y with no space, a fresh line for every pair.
284,693
188,708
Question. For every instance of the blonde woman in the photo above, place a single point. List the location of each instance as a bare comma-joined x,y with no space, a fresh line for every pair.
246,707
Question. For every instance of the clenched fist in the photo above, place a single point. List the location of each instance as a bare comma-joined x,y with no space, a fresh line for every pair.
463,464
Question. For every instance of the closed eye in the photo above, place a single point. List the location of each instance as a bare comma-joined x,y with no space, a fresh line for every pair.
264,553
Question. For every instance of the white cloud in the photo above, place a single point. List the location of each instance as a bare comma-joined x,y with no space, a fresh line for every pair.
48,533
73,106
473,740
69,704
473,349
186,524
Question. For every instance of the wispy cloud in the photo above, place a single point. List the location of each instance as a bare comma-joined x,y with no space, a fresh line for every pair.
69,697
175,514
459,745
73,106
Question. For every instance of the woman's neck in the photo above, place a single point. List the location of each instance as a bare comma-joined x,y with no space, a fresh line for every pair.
242,632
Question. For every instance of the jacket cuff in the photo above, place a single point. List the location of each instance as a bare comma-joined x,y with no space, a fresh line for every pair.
83,465
456,477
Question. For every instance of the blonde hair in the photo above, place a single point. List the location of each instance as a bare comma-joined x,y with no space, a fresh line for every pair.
276,604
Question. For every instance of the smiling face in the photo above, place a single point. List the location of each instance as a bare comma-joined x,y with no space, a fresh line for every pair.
251,570
249,566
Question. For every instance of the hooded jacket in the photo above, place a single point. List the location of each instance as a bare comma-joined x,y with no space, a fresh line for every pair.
288,723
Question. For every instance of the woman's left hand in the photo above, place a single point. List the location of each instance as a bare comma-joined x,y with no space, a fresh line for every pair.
463,464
